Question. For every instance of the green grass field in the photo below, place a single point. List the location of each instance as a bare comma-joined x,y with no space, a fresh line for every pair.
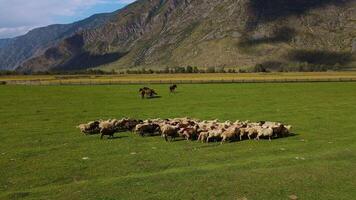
41,151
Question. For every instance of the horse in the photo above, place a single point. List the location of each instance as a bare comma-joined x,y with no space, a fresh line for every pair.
173,88
147,92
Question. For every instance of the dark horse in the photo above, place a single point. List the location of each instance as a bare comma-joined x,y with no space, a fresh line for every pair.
173,88
148,92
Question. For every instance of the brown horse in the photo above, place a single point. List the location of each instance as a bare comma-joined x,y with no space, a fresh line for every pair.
173,88
149,93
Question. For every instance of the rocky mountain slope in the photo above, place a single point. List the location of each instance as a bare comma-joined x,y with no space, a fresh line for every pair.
205,33
14,51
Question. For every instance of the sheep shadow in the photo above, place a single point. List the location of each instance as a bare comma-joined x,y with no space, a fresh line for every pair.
177,140
116,137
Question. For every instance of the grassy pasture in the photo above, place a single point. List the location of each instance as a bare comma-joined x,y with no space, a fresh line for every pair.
41,151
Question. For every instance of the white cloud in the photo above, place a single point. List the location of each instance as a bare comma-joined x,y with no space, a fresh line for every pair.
19,16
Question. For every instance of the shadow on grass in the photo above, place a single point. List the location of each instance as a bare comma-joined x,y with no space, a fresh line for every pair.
154,97
115,137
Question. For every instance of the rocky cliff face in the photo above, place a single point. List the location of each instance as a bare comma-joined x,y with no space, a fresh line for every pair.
160,33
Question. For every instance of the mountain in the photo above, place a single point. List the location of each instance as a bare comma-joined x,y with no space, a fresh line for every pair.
14,51
4,42
205,33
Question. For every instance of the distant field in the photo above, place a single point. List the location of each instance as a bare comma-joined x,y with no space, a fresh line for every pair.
41,151
97,79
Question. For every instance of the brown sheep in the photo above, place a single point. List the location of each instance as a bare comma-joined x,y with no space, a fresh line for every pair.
190,132
107,128
90,128
128,124
149,128
285,131
231,133
169,131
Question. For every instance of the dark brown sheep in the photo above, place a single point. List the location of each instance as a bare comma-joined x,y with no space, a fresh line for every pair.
149,128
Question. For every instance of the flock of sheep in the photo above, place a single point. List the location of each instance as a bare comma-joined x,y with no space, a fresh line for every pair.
189,129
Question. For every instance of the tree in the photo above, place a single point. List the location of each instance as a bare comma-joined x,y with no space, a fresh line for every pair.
189,69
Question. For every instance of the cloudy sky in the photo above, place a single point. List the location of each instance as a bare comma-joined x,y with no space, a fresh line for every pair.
19,16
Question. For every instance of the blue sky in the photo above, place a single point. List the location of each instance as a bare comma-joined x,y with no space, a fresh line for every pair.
17,17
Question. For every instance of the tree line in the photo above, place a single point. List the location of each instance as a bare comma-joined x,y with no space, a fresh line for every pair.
258,68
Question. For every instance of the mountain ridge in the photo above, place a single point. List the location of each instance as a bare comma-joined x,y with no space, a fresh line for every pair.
14,51
206,33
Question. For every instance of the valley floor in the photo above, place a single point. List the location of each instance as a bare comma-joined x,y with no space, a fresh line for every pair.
44,156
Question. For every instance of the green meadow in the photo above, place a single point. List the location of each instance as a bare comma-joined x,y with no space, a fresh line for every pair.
44,156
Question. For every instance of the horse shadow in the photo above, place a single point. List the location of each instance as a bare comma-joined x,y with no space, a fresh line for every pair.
154,97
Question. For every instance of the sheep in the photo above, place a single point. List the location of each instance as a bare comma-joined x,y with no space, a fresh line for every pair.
189,132
90,128
127,124
203,136
252,132
264,132
150,128
215,133
169,131
285,131
243,133
230,133
189,128
108,128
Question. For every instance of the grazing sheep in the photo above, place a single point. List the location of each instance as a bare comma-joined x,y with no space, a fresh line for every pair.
203,136
230,133
149,128
264,132
128,124
190,129
108,128
190,132
169,131
252,132
215,133
243,133
90,128
285,131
